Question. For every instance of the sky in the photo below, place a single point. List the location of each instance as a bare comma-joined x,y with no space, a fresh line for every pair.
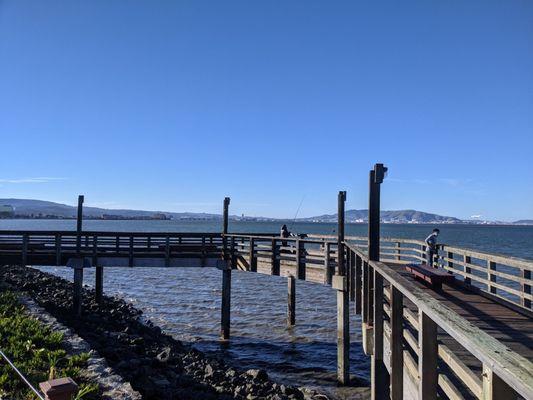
173,105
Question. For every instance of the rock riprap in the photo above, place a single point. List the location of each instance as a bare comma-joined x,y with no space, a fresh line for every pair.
157,365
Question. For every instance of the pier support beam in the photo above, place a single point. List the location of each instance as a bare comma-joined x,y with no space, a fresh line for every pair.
291,301
379,374
225,311
226,304
99,283
78,289
340,283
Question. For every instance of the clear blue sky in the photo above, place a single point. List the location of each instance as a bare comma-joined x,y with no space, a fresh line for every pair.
173,105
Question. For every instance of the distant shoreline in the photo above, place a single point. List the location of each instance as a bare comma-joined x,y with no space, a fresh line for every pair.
262,220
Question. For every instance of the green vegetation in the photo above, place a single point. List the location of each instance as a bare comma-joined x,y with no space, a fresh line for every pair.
37,351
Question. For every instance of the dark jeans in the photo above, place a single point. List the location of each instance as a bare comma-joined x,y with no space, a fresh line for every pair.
429,256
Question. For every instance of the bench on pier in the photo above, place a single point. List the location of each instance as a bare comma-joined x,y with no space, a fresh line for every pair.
434,276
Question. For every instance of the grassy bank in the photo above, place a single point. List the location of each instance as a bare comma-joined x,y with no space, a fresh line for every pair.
37,351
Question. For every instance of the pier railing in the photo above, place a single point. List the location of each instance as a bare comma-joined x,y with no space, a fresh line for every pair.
56,247
407,329
504,277
405,322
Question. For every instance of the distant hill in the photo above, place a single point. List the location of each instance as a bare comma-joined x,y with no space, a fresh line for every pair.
26,208
524,222
48,209
396,217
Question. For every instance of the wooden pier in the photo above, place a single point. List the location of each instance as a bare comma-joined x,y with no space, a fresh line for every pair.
471,339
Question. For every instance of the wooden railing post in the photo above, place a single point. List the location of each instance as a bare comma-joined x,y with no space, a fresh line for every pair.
25,243
274,260
491,266
327,262
233,255
449,255
130,253
252,258
358,283
398,251
300,261
58,249
351,266
167,251
468,270
396,345
526,288
494,388
379,374
428,357
291,300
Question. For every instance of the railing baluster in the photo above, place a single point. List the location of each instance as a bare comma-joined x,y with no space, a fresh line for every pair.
491,266
428,357
526,288
396,344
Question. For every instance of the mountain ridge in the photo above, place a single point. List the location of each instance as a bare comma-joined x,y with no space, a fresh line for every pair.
32,208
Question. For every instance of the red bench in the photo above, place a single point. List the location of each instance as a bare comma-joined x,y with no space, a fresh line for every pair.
434,276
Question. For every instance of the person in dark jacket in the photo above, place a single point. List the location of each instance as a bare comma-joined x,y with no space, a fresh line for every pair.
284,232
431,246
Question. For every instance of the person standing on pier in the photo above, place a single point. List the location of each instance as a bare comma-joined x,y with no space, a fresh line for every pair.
431,246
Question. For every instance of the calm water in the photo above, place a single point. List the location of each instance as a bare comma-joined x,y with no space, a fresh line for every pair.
186,302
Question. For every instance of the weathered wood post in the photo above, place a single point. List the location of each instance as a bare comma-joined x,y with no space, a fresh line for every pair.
25,243
252,259
494,387
226,277
291,300
379,374
526,288
396,344
327,262
428,357
78,266
99,273
340,283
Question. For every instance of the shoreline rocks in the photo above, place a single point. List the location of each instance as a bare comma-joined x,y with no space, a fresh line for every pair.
155,364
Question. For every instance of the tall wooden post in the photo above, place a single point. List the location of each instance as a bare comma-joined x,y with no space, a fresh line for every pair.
340,283
291,300
78,266
379,374
226,279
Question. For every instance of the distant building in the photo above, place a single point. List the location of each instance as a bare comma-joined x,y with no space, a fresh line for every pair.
6,211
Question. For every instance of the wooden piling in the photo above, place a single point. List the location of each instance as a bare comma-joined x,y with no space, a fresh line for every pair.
226,304
226,277
78,289
291,300
99,283
340,283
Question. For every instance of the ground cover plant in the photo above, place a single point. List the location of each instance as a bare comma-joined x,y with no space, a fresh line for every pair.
37,351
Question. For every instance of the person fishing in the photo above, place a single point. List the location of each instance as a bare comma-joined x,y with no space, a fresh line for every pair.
285,231
431,246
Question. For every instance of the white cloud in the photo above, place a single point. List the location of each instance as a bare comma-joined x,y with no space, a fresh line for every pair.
32,180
